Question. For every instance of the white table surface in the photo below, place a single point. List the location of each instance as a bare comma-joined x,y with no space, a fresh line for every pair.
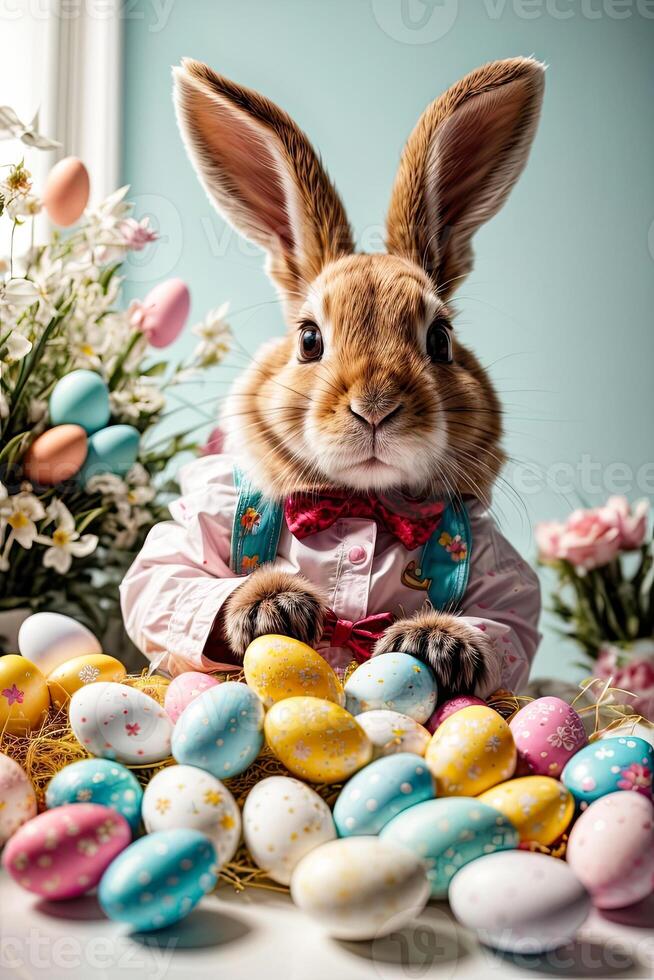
261,935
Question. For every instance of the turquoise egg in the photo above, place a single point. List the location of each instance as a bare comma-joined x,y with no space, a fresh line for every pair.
380,791
80,398
158,879
609,765
111,450
396,681
97,781
221,731
448,833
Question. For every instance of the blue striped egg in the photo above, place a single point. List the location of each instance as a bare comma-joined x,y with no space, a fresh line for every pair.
610,765
158,879
98,781
380,791
448,833
80,398
221,731
392,680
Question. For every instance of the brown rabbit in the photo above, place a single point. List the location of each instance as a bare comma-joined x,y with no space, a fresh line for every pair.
366,420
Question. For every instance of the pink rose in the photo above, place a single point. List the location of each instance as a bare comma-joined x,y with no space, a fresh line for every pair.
632,672
587,539
137,234
632,524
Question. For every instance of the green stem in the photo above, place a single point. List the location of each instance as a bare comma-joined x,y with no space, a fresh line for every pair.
117,372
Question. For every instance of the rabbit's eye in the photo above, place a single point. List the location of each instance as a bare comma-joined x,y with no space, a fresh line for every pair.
310,342
439,342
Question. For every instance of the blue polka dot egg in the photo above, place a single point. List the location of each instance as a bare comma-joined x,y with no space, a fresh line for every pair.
609,765
380,791
158,879
221,731
396,681
97,781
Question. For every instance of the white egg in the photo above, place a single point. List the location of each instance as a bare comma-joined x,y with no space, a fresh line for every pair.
391,732
283,819
48,639
114,721
17,798
190,798
360,887
519,902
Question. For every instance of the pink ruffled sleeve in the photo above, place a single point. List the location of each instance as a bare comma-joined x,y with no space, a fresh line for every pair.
178,583
503,600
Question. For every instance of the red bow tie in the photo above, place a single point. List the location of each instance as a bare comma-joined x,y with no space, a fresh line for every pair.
412,522
358,637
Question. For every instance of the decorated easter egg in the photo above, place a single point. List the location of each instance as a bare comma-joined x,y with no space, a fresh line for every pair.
380,791
611,849
547,732
111,450
449,833
66,191
471,751
391,732
73,674
608,765
159,879
450,707
539,807
164,312
17,797
183,796
49,638
316,739
520,902
80,398
186,688
221,730
55,455
640,729
64,852
24,697
278,667
284,819
392,680
115,721
97,781
360,887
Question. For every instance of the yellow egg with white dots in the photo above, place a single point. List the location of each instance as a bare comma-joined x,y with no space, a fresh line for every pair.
316,739
24,697
539,807
278,667
471,751
80,671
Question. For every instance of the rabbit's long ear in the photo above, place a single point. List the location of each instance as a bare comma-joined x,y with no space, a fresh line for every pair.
262,174
460,162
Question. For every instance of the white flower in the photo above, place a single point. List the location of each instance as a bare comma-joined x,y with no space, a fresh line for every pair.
138,397
14,348
12,128
24,205
20,293
65,543
214,333
18,512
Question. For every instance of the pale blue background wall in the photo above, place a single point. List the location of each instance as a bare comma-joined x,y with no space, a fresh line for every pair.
560,301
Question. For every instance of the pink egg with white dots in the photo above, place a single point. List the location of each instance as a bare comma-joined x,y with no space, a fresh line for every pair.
186,688
448,708
115,721
547,733
17,798
64,852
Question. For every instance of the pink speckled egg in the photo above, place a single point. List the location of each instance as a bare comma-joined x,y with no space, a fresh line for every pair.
185,688
547,732
17,798
164,312
64,852
448,708
611,849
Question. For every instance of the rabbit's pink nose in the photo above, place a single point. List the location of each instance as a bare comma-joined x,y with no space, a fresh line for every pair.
374,415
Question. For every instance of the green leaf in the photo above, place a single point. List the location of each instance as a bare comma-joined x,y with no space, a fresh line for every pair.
89,518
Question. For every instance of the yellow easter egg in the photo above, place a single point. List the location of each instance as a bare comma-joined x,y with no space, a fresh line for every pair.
278,667
471,751
539,807
24,696
80,671
316,739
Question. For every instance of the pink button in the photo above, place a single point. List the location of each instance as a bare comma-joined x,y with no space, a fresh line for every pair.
357,554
